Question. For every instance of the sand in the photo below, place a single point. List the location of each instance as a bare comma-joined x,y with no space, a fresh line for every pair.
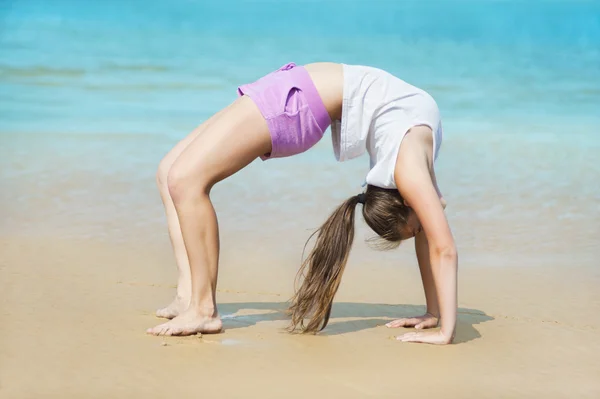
74,314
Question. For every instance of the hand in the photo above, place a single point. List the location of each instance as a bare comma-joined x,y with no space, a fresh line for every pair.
428,337
426,321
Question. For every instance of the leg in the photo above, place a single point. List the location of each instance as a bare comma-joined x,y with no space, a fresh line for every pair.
235,138
184,283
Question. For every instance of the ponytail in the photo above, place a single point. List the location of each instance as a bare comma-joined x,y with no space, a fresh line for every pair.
323,268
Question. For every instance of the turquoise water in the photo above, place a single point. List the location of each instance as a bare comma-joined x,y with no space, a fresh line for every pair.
98,91
164,66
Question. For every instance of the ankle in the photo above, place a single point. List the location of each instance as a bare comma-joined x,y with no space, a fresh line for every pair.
183,297
184,290
203,309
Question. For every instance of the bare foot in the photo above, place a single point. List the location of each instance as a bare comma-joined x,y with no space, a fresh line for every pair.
173,309
189,322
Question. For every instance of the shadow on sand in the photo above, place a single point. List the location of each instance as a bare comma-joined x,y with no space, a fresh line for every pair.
364,315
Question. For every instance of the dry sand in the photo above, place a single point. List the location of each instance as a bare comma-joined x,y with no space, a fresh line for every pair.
74,315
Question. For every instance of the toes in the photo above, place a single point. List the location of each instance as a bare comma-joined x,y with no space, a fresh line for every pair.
167,329
158,330
152,330
171,330
183,331
182,327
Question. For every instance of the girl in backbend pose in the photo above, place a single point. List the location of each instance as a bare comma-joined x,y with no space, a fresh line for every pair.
285,113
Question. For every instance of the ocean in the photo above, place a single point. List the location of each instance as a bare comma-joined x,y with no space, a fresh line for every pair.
93,94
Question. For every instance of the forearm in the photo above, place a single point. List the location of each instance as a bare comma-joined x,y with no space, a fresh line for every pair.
431,297
444,268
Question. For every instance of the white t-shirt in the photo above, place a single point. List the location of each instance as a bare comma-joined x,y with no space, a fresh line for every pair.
378,110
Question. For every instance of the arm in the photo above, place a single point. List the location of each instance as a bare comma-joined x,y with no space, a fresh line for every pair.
422,250
416,183
432,314
431,317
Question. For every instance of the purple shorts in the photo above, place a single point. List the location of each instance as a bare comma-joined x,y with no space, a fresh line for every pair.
290,103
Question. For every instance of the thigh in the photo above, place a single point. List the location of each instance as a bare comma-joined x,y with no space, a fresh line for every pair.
236,137
172,155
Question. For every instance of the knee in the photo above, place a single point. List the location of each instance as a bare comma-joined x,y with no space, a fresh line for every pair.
184,186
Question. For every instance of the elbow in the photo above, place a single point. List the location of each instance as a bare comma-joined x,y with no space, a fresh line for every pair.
447,252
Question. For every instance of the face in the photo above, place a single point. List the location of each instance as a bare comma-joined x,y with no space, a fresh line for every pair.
412,227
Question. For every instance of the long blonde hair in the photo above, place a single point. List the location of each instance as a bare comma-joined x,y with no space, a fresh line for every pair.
385,213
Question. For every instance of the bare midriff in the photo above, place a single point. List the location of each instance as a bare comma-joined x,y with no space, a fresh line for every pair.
328,78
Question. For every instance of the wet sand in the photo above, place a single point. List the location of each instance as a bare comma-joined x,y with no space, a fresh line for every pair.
74,314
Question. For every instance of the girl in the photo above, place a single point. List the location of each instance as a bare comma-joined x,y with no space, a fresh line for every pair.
284,113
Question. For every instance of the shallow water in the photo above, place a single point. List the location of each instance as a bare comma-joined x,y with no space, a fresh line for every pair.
91,97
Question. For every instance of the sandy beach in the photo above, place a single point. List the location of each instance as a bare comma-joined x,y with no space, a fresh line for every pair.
74,315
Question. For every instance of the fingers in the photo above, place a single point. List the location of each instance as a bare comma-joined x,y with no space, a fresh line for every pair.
429,323
417,322
408,337
416,337
428,337
406,322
